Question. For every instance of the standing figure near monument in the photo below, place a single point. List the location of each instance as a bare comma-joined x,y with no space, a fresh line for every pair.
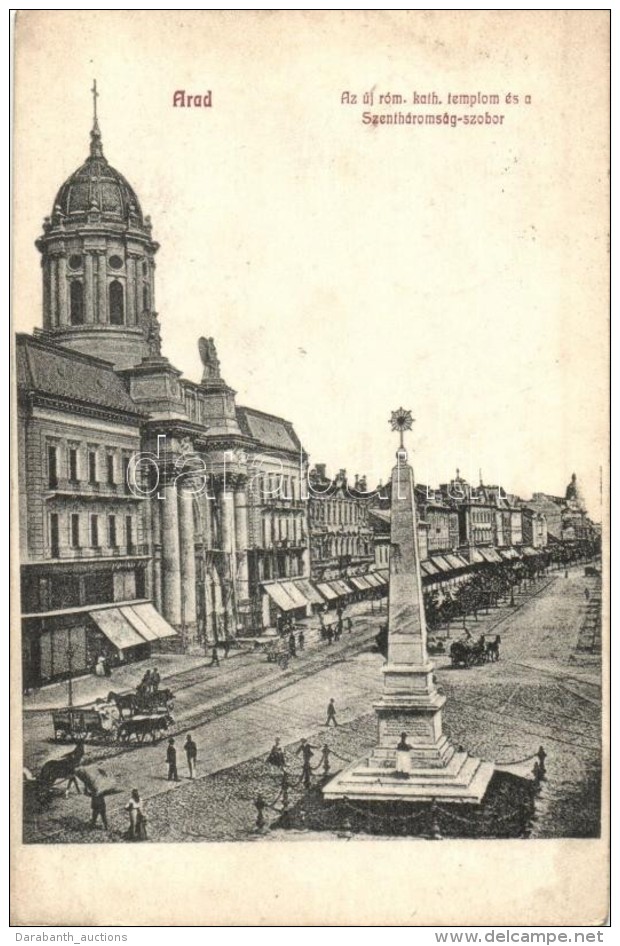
403,756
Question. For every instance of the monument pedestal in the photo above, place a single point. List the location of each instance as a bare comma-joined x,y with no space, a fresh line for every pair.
434,769
413,761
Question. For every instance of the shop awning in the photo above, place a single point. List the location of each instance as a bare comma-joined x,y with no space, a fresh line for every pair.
428,568
477,558
149,615
279,596
360,582
117,628
383,576
441,563
506,554
139,624
309,591
295,593
491,556
456,561
341,589
374,581
528,550
328,593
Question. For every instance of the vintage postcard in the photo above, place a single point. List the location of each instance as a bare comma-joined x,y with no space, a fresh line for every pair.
310,438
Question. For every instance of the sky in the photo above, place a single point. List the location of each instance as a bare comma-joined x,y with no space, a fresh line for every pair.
346,269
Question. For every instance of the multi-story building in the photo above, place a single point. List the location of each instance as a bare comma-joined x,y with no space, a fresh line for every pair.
534,528
341,538
135,484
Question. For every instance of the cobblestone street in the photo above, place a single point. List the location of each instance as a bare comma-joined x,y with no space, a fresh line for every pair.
540,692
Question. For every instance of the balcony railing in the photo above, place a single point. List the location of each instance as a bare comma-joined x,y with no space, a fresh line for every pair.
80,553
84,489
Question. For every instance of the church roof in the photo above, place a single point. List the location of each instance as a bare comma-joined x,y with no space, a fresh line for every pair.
269,430
97,185
56,372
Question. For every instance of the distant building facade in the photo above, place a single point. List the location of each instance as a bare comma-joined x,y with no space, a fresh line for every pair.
341,537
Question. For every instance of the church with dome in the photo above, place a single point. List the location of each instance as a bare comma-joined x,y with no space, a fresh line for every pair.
155,512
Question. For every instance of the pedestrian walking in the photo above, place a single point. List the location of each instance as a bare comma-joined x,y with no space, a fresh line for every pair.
305,749
330,633
215,660
292,646
339,627
98,810
191,752
349,625
171,759
155,680
587,593
276,755
226,647
302,640
137,818
331,713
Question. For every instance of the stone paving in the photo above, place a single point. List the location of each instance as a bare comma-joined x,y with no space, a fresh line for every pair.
536,693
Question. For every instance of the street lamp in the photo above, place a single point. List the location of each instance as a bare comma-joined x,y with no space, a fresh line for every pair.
70,653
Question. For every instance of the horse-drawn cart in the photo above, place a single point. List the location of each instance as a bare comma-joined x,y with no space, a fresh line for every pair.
277,652
80,725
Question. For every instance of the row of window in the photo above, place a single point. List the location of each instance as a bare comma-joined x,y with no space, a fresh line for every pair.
112,477
95,524
277,486
481,515
116,302
337,512
114,262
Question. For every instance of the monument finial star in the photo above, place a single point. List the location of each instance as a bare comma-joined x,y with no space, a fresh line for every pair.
401,420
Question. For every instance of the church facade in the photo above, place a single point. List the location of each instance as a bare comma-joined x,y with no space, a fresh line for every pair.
154,511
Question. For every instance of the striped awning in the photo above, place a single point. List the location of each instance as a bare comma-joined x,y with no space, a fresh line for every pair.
440,563
491,556
359,583
308,590
328,593
147,620
456,561
295,593
373,580
279,596
341,588
117,628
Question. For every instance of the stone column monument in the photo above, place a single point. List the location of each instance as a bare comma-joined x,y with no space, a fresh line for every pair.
413,760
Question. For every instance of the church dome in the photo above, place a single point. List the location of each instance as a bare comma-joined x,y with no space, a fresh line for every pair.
97,187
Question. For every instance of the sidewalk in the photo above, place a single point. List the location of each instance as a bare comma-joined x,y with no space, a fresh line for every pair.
89,688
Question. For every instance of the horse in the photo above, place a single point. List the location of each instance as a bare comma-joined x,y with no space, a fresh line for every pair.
123,701
64,768
492,648
144,726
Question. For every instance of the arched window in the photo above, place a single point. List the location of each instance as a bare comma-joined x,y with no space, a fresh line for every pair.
76,294
117,308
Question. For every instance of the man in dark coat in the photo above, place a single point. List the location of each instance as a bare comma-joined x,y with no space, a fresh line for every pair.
331,713
306,752
171,759
98,810
191,752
